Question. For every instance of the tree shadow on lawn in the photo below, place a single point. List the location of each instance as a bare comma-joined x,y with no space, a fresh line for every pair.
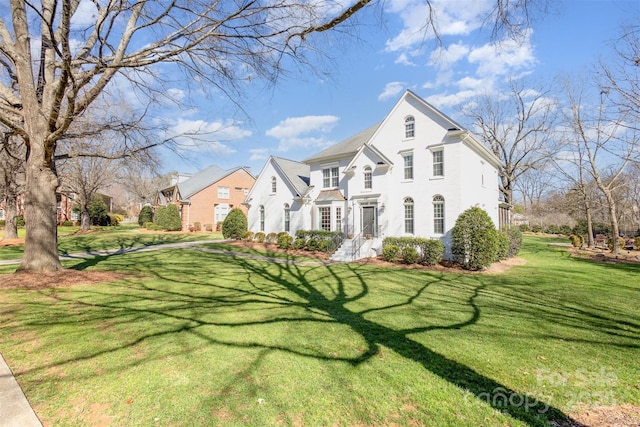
325,293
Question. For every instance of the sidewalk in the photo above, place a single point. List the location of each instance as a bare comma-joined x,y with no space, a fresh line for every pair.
14,407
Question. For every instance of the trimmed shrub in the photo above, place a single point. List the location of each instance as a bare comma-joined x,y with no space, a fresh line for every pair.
145,216
248,236
299,243
20,220
536,228
431,251
410,255
271,238
503,246
577,241
515,241
285,241
197,226
313,244
168,218
637,243
259,237
208,227
234,225
64,223
98,211
524,227
391,253
474,239
620,243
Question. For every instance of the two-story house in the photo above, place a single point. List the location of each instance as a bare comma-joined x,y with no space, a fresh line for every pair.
410,175
208,195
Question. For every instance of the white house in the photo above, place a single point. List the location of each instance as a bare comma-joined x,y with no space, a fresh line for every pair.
410,175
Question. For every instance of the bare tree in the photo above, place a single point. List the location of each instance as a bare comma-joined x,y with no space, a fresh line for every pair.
12,183
605,142
45,88
516,127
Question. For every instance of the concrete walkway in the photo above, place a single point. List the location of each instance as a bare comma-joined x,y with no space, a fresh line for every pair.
15,410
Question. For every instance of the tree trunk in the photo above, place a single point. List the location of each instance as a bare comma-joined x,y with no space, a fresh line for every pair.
85,217
615,230
590,240
11,217
41,241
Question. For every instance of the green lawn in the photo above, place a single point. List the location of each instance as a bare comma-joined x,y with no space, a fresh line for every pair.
103,238
195,338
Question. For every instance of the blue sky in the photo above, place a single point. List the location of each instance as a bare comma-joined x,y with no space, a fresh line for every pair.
304,113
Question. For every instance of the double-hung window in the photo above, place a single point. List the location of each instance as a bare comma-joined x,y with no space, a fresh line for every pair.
330,177
438,163
408,215
408,166
409,127
438,214
368,179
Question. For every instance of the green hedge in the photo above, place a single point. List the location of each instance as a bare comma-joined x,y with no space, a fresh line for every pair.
318,240
429,251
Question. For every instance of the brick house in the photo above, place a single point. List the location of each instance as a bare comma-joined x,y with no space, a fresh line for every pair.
207,196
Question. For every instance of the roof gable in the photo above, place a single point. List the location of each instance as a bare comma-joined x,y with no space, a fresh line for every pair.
345,147
296,173
203,179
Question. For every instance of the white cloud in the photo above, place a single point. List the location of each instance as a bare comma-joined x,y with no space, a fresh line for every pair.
85,15
206,136
504,57
296,132
450,19
445,57
391,90
259,154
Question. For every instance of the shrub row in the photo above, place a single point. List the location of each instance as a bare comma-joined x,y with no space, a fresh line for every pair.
318,240
413,250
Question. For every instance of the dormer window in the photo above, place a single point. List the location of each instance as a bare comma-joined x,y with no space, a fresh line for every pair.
368,181
409,127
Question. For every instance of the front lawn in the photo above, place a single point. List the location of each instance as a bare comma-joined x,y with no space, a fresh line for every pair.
104,238
196,338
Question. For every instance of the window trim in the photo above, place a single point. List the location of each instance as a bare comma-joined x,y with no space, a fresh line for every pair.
287,217
439,164
438,208
409,127
368,178
409,207
333,179
262,215
406,155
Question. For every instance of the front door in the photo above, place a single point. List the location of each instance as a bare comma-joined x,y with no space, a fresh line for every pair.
369,220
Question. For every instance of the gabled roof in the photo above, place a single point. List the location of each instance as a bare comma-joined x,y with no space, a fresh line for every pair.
295,172
203,179
346,147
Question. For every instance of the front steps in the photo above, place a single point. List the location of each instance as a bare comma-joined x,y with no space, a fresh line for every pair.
345,251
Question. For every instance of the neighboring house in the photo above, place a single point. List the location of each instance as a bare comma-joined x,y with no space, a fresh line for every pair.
64,207
410,175
207,196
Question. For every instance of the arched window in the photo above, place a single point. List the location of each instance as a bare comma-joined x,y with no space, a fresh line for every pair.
409,127
408,215
367,178
438,214
287,217
273,185
261,218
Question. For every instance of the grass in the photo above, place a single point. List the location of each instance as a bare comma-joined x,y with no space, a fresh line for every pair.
196,338
103,238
